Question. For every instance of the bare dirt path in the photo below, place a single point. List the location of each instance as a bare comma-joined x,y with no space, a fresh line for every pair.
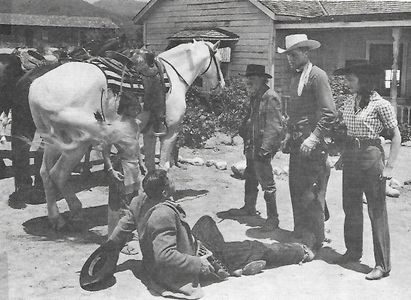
36,263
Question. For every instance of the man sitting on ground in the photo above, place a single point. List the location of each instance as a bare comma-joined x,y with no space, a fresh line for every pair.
175,257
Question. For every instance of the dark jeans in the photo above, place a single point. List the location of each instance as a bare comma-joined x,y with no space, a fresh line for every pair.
362,173
308,184
236,255
258,171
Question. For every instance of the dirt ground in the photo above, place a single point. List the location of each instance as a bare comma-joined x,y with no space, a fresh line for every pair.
37,263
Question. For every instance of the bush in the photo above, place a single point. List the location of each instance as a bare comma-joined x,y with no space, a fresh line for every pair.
199,122
340,90
205,114
232,104
405,131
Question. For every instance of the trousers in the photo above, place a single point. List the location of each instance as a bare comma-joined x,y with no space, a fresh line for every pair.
236,255
362,173
308,184
260,171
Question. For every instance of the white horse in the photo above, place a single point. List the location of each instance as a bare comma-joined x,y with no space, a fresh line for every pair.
183,64
65,101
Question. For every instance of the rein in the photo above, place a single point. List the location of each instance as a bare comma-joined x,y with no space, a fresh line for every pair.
175,70
212,59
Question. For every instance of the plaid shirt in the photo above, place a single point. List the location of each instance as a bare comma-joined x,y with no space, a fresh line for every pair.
371,120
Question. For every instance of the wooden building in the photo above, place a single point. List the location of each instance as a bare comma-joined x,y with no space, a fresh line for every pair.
41,30
349,31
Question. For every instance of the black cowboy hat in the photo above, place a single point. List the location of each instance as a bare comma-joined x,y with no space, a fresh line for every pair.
100,266
359,69
258,70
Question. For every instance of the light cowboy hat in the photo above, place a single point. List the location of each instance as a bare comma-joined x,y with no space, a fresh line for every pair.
295,41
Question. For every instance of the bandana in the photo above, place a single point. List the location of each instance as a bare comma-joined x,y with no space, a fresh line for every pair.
304,78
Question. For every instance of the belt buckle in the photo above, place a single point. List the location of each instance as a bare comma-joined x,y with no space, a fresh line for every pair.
357,143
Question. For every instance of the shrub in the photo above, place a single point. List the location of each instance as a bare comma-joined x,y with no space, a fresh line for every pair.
405,130
340,90
199,122
205,114
232,106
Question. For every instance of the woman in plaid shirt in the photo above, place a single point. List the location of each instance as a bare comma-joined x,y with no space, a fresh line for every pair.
365,170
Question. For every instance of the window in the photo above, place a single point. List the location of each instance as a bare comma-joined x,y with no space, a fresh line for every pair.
388,77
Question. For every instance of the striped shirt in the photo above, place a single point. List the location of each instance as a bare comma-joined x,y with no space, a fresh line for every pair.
369,121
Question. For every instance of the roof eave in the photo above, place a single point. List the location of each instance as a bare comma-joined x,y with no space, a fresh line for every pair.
342,24
139,18
141,15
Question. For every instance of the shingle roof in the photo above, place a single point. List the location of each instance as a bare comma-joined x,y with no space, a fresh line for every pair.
341,8
319,11
313,9
56,21
207,34
306,9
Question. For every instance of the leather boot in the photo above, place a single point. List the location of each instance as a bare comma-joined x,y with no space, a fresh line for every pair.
250,200
272,216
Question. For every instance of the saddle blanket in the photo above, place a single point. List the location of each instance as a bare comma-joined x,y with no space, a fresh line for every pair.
132,82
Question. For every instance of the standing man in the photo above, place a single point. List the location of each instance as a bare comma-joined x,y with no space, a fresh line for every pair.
311,111
261,131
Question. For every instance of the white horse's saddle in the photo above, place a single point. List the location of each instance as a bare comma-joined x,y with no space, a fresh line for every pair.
119,77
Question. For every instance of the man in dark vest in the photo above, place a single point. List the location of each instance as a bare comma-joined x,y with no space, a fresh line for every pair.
261,131
311,111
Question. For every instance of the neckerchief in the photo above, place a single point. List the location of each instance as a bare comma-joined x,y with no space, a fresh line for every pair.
304,78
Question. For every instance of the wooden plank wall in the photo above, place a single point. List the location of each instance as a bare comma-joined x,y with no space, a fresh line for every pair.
238,16
337,46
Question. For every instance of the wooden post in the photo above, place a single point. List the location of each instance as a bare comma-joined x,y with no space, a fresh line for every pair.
396,34
271,53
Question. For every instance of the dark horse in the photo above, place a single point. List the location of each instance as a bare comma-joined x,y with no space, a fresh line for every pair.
10,73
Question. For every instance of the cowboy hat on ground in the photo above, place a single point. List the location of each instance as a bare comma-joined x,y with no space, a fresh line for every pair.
256,70
100,266
295,41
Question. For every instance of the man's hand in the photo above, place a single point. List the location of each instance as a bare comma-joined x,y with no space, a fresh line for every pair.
309,145
388,172
206,267
115,174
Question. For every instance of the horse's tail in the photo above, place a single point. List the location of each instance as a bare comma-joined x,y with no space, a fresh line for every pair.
72,127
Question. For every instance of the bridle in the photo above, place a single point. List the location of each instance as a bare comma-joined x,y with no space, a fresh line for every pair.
213,59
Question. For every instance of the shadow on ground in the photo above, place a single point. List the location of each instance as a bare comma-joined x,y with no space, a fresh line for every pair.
252,221
93,217
181,195
80,182
330,256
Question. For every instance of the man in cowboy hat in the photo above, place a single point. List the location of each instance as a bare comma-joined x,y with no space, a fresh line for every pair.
261,131
311,111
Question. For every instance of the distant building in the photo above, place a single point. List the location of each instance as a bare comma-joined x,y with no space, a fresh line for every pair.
40,30
377,31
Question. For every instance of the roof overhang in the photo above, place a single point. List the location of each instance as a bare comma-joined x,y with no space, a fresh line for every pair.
211,34
330,25
142,14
